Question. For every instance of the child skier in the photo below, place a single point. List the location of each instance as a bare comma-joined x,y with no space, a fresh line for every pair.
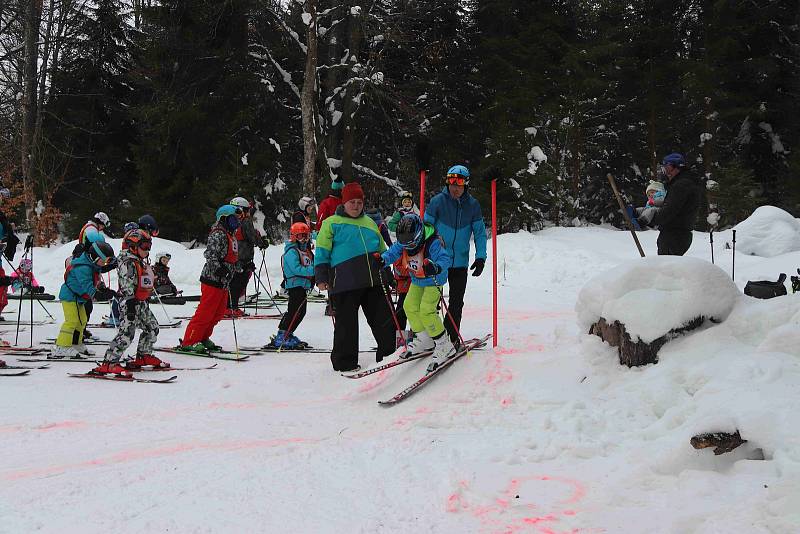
222,253
136,284
81,278
406,206
22,279
423,251
306,207
298,271
164,285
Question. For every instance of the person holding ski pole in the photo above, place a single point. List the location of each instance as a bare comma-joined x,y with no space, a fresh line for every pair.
297,263
248,239
457,217
422,250
222,253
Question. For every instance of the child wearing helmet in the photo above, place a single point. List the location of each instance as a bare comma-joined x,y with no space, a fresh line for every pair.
22,279
248,239
81,278
222,255
297,263
136,285
306,208
406,206
164,285
422,250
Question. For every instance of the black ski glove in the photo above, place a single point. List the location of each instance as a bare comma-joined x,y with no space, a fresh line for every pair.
430,268
263,243
130,309
251,267
477,266
221,272
5,281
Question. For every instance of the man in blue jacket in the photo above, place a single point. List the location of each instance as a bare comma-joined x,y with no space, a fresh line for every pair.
457,217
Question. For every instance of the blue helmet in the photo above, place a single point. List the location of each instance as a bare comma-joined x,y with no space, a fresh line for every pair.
460,170
227,215
410,231
226,210
675,159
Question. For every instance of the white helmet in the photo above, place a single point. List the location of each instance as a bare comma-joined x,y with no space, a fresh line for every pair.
240,202
405,194
163,255
102,218
305,202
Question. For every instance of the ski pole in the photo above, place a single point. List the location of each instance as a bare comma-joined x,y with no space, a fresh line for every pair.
158,297
275,304
733,258
711,238
233,319
391,308
294,318
447,310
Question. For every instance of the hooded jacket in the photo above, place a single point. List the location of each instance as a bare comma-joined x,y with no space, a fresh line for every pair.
432,249
222,247
298,265
456,220
679,211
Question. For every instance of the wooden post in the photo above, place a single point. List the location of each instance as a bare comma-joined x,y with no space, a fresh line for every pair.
625,213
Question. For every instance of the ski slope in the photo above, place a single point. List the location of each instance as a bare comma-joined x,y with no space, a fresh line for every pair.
546,434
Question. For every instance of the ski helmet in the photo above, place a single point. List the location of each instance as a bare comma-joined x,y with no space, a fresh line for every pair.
26,265
101,218
299,232
137,239
148,224
5,193
410,231
163,255
402,195
130,226
305,202
227,215
675,159
457,175
240,202
100,250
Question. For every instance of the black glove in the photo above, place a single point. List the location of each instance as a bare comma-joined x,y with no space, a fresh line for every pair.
378,258
477,266
222,272
38,290
5,281
263,243
250,267
430,268
130,309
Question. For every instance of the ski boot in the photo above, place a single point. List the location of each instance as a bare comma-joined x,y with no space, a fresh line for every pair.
83,350
282,340
4,343
299,343
111,368
60,352
444,350
197,348
421,343
87,334
210,345
2,364
145,360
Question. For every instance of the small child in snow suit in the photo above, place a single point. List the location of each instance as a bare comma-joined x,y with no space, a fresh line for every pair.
81,278
136,284
222,254
655,193
25,282
298,271
423,252
164,285
406,206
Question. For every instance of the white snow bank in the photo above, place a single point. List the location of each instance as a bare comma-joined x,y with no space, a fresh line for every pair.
654,295
768,232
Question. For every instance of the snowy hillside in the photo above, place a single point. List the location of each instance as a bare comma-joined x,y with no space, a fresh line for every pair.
545,434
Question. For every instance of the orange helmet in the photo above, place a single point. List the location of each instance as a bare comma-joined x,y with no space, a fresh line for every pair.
299,232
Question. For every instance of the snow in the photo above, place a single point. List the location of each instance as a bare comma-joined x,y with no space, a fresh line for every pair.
547,433
274,143
306,18
244,159
655,295
768,232
535,158
337,115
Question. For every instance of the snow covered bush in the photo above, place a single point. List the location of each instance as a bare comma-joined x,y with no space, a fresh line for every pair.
768,232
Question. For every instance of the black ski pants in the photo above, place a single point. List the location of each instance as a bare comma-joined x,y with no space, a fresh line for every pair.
674,242
400,312
295,311
457,280
238,287
372,301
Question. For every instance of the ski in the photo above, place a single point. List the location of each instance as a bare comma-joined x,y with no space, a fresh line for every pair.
116,378
23,367
22,350
174,324
428,376
57,360
93,341
152,369
259,316
20,373
214,354
382,367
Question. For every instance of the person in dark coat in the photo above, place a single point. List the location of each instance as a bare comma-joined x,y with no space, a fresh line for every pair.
676,218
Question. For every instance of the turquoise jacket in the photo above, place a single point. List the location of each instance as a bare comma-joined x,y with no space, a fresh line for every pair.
457,220
80,280
344,253
434,250
296,271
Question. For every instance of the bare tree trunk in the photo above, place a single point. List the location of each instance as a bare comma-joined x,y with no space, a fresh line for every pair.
48,46
307,100
33,15
58,41
349,106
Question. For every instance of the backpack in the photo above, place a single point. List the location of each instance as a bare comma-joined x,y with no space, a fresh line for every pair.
764,289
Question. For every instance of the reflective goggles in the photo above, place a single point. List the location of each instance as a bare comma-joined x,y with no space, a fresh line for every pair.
301,237
102,262
455,179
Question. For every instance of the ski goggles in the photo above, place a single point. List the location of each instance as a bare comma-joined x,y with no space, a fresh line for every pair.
301,237
455,179
145,245
102,262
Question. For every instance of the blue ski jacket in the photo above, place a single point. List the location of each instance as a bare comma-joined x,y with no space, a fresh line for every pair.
456,220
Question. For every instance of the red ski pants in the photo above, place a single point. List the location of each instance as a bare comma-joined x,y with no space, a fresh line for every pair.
210,311
3,293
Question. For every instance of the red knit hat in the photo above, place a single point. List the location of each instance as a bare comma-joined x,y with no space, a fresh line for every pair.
351,191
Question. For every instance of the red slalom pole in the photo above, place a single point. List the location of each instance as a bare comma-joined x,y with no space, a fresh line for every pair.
422,194
494,262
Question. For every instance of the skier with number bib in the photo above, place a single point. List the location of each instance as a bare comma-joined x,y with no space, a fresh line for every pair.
136,284
422,250
297,263
222,254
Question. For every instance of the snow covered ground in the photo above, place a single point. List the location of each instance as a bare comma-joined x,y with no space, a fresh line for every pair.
545,434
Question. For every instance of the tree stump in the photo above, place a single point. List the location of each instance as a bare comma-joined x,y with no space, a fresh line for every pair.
722,441
637,353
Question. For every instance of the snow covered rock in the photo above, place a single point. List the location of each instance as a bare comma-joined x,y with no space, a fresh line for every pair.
768,232
652,297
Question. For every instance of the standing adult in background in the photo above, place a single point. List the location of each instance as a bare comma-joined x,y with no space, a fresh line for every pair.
328,206
457,217
676,218
249,238
345,267
91,233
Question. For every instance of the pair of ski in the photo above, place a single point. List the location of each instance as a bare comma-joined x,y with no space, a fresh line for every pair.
248,317
173,324
405,393
228,355
90,360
